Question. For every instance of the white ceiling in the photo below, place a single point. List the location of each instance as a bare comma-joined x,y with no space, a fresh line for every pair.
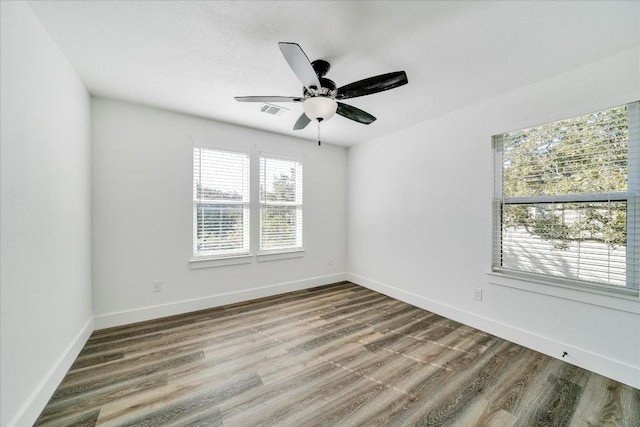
195,56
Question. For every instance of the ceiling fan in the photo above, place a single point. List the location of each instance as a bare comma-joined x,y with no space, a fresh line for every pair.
320,96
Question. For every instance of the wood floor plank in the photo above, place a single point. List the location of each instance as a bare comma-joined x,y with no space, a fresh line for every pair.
604,394
56,410
336,355
518,381
87,383
186,407
481,413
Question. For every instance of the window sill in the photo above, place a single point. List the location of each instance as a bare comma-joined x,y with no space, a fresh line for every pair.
622,299
280,254
207,262
210,262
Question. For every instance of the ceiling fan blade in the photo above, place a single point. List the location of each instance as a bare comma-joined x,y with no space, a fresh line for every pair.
268,99
300,64
302,122
355,114
372,85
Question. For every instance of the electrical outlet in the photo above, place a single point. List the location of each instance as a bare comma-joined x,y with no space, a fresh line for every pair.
330,262
156,286
477,294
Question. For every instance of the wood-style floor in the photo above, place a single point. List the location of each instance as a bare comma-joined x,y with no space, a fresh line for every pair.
339,355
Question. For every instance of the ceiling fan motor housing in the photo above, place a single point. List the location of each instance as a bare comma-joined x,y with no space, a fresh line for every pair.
327,89
321,67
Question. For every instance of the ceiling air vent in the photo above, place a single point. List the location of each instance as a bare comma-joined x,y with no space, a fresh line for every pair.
273,109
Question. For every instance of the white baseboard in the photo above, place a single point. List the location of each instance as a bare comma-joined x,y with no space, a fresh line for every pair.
36,402
153,312
583,358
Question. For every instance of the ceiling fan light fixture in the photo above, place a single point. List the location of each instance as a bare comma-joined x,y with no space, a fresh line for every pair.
319,108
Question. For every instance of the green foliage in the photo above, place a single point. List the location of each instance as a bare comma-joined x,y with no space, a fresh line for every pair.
284,188
581,155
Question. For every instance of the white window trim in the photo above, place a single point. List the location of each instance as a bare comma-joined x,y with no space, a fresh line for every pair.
279,253
196,263
553,286
242,258
228,255
633,189
623,299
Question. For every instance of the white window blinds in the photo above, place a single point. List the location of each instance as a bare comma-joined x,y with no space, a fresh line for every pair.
220,202
280,203
567,199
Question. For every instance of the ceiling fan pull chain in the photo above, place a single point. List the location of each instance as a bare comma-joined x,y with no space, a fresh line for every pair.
319,143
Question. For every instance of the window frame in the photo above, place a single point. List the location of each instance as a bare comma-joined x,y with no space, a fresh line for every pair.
210,261
504,275
231,256
297,250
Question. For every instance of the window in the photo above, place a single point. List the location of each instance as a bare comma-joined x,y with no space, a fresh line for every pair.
222,184
220,202
567,205
280,204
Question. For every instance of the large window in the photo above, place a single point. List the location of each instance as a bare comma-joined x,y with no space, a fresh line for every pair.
220,202
280,204
567,205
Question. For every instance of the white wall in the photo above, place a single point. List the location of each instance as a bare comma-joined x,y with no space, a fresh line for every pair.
420,223
142,215
45,215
